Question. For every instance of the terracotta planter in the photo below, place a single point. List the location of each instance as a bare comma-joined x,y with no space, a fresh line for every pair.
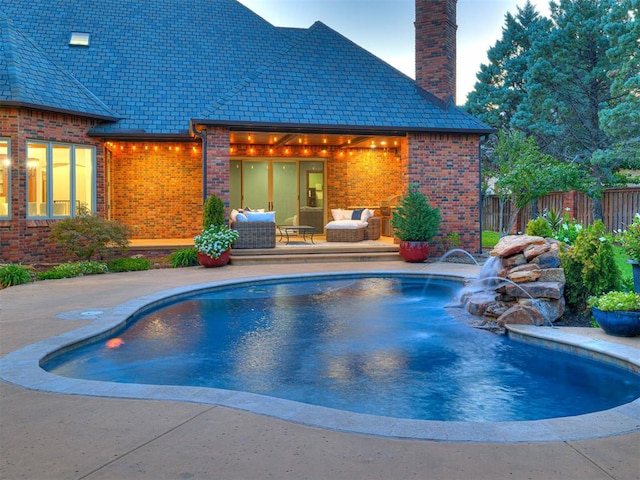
414,252
209,262
618,323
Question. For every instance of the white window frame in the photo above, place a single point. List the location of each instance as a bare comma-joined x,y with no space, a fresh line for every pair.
6,187
72,180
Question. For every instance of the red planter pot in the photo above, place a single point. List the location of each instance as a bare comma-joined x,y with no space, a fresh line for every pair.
414,252
208,262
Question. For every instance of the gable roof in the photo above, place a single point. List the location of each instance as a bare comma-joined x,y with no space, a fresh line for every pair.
157,65
28,77
326,80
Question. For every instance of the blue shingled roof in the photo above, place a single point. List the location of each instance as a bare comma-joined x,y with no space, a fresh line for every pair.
156,65
325,79
29,77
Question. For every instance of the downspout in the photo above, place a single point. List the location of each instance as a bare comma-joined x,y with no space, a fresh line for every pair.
203,138
481,209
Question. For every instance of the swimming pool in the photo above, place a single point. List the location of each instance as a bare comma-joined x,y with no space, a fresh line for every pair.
331,344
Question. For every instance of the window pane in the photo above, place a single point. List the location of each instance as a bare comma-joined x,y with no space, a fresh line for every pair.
5,170
37,183
61,180
84,177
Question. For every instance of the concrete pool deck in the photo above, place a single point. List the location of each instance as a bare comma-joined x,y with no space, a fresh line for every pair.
53,435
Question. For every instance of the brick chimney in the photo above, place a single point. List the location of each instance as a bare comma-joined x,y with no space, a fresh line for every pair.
436,47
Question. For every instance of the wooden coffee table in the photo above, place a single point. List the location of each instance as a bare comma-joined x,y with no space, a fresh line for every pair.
286,230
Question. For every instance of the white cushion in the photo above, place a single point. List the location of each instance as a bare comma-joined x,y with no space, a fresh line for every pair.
261,216
341,214
366,215
345,225
233,215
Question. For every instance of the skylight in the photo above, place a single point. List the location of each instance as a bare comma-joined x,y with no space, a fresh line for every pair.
79,39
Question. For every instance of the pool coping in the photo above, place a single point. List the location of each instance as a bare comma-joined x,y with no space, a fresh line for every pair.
22,368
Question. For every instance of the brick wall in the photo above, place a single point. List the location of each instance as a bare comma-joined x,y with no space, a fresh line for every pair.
158,192
362,177
157,188
436,47
447,170
218,163
24,240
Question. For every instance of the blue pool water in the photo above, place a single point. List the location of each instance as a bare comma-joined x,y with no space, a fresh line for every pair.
378,345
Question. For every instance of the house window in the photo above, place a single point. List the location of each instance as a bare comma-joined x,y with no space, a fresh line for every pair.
61,178
5,178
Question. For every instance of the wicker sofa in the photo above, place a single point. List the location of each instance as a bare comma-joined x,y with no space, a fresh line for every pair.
257,230
344,230
255,234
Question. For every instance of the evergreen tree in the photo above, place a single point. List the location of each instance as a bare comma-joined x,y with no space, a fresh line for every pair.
568,85
572,82
501,87
620,119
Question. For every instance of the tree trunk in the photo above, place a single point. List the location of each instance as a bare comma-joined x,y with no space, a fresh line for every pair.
596,208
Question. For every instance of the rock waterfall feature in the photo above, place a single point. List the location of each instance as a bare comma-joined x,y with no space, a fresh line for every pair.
522,282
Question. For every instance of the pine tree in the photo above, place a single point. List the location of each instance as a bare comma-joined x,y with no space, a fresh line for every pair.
620,119
501,86
568,85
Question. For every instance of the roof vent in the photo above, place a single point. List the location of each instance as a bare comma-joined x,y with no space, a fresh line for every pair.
79,39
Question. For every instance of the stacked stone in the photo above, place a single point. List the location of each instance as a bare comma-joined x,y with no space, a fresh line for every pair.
536,296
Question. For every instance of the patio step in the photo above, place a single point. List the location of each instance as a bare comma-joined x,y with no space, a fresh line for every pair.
318,253
315,258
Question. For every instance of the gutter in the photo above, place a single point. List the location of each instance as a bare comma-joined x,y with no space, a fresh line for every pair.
335,129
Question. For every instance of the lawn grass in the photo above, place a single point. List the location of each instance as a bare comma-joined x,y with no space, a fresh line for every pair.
490,239
621,260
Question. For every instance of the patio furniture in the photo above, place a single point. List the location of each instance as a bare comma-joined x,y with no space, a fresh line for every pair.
372,232
285,230
255,234
353,230
345,234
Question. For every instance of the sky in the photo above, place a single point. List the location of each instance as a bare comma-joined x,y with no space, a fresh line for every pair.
385,28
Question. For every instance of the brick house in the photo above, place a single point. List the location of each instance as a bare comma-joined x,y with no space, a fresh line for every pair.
140,110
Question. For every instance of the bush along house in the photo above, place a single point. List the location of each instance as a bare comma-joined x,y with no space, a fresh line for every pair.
141,110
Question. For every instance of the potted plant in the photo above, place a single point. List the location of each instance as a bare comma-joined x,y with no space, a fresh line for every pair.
617,313
415,223
214,245
631,246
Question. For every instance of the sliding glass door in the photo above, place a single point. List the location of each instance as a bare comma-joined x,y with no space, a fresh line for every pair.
292,188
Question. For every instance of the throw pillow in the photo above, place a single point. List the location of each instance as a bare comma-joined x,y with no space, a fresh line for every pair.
357,213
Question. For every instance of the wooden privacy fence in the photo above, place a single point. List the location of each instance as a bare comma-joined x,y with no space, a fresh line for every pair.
618,209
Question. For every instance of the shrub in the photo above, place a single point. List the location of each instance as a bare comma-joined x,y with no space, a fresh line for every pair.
616,301
87,235
554,219
15,274
73,269
539,228
185,257
414,219
568,231
215,240
631,239
125,264
213,212
589,266
452,241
